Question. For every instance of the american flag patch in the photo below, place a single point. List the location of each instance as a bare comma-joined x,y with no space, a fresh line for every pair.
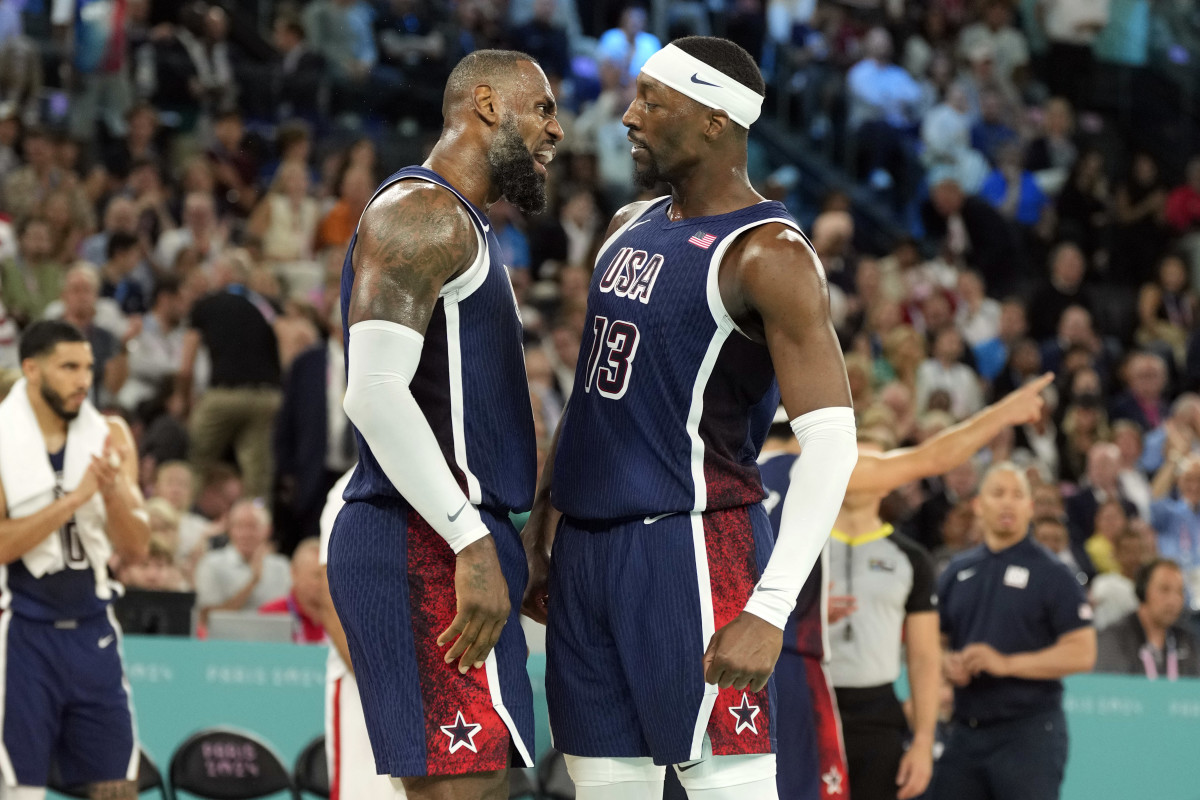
703,240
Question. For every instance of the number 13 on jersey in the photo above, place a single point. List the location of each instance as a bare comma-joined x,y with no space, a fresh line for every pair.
611,360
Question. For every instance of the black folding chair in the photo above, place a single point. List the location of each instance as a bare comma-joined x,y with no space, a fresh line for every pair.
149,779
311,773
227,764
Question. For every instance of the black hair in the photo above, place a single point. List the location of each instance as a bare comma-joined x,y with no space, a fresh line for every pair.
167,284
726,56
43,336
1141,582
481,66
118,243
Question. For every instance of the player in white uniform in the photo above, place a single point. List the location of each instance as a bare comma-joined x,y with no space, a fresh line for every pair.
352,773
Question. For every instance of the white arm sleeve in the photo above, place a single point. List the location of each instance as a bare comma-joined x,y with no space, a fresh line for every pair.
829,451
383,357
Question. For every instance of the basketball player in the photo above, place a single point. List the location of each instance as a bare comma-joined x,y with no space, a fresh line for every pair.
425,570
809,728
352,773
665,617
69,499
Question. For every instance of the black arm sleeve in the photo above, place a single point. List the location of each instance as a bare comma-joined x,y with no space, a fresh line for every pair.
923,595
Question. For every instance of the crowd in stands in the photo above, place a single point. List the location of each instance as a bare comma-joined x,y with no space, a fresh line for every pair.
183,187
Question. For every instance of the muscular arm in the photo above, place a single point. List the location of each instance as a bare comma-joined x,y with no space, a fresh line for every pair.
19,536
880,473
1075,651
128,522
923,644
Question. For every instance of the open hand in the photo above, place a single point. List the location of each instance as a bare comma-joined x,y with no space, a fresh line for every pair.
743,653
483,605
916,768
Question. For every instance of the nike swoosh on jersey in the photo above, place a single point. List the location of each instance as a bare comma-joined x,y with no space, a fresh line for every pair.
696,79
106,641
966,574
639,222
454,516
652,520
487,228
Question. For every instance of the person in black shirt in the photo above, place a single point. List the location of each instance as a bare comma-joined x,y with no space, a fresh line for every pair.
1014,623
236,325
124,253
1154,640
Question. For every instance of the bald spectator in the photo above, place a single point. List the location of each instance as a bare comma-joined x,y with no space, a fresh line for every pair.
306,601
1099,486
80,295
1064,288
247,573
1155,640
119,215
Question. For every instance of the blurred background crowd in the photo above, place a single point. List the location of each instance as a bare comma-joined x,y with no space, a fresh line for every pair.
995,187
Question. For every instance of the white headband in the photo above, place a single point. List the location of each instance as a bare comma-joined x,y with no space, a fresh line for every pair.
689,75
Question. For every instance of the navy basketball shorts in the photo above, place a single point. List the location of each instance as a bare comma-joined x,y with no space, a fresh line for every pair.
65,700
633,606
391,577
811,764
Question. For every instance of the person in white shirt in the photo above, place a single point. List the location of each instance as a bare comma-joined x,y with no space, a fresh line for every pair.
246,573
978,315
1135,486
946,372
1112,594
1008,45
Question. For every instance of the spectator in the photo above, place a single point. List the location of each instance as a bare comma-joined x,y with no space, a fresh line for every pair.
1167,310
1084,425
21,78
1013,191
946,136
234,168
978,316
1071,28
1064,288
1139,236
1099,486
970,231
30,280
1112,594
1175,515
124,253
156,572
1180,433
1110,522
1008,45
95,57
1015,624
882,101
1127,436
1183,214
341,32
120,215
902,356
1153,640
628,44
944,371
156,353
26,187
80,291
313,441
1051,155
298,80
1037,442
948,492
958,534
175,484
1142,402
305,602
220,488
1051,533
245,574
140,143
994,128
200,231
285,221
238,410
337,226
1083,205
996,358
545,40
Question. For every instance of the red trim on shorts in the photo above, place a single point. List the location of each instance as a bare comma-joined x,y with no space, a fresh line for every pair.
831,753
335,785
733,573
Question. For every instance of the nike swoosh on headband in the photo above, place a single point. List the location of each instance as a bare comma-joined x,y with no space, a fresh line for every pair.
696,79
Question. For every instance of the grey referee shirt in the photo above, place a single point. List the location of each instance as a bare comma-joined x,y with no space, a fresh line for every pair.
890,577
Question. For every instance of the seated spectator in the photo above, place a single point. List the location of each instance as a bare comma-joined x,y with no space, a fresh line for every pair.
124,253
1013,191
993,129
33,278
947,492
946,372
1084,204
307,597
970,231
201,231
220,488
1050,156
902,355
1142,402
1183,203
946,136
1154,640
978,316
1139,236
629,44
69,226
1175,515
883,100
959,532
26,187
1112,594
1051,533
1167,310
1180,433
1084,425
995,29
247,573
156,572
1127,436
299,75
1099,486
175,485
286,219
80,294
1063,288
156,353
1110,523
1037,442
337,226
1076,345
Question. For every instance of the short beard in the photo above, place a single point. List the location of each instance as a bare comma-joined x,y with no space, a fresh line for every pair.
648,176
512,169
57,405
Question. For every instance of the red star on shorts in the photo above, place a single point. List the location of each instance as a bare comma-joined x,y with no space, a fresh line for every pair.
462,734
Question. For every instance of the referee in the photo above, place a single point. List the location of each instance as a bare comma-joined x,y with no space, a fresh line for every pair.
1014,623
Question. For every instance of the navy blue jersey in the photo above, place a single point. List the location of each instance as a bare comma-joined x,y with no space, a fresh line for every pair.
805,630
470,383
666,414
69,593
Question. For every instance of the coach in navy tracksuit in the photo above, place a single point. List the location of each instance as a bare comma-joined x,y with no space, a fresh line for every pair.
1014,623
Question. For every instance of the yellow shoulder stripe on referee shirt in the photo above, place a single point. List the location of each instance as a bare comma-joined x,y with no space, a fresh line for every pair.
864,538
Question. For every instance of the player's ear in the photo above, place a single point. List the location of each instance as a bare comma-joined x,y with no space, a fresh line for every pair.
718,124
486,103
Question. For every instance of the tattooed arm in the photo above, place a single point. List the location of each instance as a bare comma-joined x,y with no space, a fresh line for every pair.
413,239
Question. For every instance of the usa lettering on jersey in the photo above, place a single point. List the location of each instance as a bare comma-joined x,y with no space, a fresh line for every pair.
632,274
